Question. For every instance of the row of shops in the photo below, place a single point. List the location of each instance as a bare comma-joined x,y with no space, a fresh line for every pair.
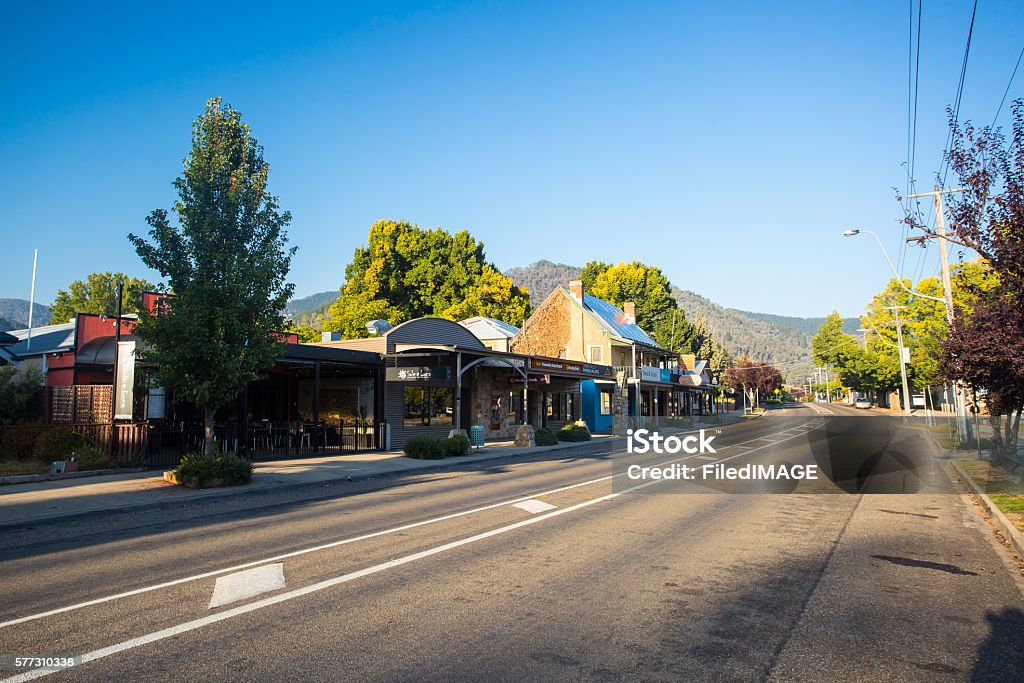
576,358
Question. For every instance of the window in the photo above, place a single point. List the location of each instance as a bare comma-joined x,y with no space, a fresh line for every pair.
606,403
428,405
596,354
561,406
515,405
415,414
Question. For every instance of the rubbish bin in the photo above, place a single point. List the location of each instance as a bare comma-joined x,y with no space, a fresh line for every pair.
476,435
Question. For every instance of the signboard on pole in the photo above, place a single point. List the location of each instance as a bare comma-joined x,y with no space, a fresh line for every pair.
124,392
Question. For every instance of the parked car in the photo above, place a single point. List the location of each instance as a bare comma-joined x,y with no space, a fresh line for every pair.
862,402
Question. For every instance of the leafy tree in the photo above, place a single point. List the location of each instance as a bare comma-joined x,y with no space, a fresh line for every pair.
19,387
406,272
656,310
752,375
983,345
305,333
706,347
98,294
590,273
226,262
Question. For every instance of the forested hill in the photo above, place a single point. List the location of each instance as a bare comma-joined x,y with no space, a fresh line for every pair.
807,326
14,314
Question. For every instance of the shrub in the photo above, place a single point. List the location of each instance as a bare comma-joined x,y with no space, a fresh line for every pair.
455,445
711,420
57,443
235,469
18,443
681,422
423,447
92,458
200,470
545,437
574,432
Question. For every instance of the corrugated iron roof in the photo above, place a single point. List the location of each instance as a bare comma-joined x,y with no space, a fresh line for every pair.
614,320
489,328
45,339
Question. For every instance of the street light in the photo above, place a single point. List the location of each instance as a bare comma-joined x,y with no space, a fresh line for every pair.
854,233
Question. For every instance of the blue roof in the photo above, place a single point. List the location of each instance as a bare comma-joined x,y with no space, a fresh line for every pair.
614,320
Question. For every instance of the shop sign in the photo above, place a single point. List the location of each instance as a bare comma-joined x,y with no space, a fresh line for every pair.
597,370
532,379
418,374
650,374
557,365
124,392
666,375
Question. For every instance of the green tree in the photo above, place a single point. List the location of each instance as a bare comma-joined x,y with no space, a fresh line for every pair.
590,273
19,389
706,347
657,312
98,294
226,262
406,272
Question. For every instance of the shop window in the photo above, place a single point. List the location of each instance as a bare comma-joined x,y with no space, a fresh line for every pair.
442,407
515,406
606,403
428,405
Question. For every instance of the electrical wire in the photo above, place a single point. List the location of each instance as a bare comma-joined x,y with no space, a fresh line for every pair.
959,96
1005,92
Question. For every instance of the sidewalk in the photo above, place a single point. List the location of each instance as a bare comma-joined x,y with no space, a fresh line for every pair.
48,501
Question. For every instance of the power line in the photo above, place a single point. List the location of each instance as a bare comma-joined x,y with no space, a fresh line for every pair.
1005,92
959,95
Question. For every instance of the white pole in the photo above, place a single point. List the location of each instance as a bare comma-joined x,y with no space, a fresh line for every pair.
32,300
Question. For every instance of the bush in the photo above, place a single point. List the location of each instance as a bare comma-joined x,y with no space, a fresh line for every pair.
18,443
58,443
200,470
235,469
711,419
681,422
92,458
545,437
423,447
574,432
455,445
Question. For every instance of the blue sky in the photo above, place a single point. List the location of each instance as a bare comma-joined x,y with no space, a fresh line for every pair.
729,144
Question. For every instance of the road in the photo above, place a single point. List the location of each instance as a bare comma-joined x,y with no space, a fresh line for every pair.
549,569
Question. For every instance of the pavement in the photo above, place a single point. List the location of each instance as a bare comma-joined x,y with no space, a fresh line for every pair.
538,569
53,500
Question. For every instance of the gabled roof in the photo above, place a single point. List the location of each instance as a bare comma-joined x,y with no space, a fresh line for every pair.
45,339
489,328
613,320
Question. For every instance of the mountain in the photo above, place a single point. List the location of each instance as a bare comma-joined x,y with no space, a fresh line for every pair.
308,304
783,341
14,314
542,277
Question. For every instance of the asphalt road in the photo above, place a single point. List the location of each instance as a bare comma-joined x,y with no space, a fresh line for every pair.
447,577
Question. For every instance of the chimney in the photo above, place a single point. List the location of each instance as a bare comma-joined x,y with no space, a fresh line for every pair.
629,308
330,336
576,289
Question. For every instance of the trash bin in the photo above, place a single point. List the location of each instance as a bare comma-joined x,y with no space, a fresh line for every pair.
476,435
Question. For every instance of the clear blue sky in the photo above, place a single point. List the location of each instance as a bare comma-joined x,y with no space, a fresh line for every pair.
728,143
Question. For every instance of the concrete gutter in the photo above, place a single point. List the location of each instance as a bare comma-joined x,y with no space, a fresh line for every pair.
996,516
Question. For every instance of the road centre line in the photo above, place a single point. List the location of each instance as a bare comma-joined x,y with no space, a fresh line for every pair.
327,546
188,626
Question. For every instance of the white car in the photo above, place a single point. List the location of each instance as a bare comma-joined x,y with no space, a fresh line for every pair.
862,402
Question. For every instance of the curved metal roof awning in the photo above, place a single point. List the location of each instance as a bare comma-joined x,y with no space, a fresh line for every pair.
99,352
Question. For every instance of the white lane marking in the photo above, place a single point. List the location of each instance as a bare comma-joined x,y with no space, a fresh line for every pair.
325,546
245,584
705,457
344,578
534,506
742,448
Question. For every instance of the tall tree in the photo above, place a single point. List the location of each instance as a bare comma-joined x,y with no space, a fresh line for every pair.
226,262
590,273
988,216
706,347
656,310
407,272
98,294
751,375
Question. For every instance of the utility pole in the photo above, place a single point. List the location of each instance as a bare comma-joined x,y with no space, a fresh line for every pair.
903,356
962,423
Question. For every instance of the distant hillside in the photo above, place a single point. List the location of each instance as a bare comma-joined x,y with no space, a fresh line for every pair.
298,307
14,313
784,341
804,325
542,277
